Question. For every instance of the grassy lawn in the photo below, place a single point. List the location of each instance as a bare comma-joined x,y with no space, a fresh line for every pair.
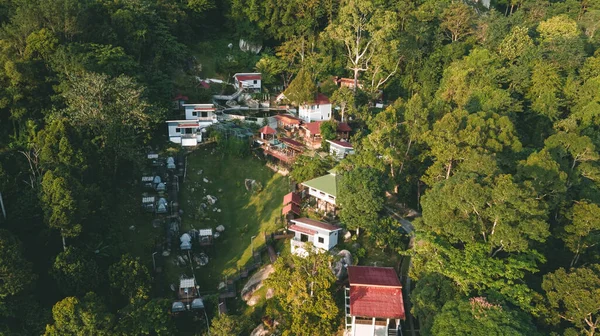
244,214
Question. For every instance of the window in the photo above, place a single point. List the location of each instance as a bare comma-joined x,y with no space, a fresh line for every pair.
313,190
255,82
330,197
322,193
204,114
303,237
194,114
321,240
177,130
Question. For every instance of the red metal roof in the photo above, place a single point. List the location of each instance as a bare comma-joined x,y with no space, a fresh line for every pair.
291,207
314,127
314,223
375,292
180,97
191,125
288,119
247,77
343,127
322,99
291,142
373,276
292,198
382,302
267,130
204,109
204,84
341,143
301,229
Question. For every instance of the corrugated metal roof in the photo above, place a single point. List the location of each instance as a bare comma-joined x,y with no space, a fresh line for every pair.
314,223
292,198
326,184
375,292
291,207
205,232
375,276
267,130
187,283
340,143
382,302
301,229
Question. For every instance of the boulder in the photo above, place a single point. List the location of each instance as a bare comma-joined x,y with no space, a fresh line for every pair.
220,228
256,281
270,293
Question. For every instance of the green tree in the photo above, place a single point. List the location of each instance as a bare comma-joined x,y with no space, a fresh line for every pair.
388,234
477,316
62,211
74,272
500,212
302,90
114,113
573,297
428,297
583,230
364,29
143,317
303,296
458,137
458,19
228,325
516,43
76,317
130,277
16,275
344,99
309,167
328,132
545,90
360,197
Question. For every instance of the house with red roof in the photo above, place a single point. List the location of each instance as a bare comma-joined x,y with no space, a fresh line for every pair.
248,81
323,236
375,301
319,109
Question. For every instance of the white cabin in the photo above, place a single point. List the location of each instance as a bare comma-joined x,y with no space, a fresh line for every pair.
185,132
340,149
204,113
321,235
318,110
249,81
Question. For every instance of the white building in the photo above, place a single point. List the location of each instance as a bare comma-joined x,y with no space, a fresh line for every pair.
321,235
204,113
318,110
340,149
248,81
185,132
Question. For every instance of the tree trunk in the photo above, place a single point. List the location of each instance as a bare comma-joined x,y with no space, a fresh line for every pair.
448,170
356,71
63,241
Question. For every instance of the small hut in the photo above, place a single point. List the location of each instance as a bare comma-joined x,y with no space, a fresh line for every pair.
267,133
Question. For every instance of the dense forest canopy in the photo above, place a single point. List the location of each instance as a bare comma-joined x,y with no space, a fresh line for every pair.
491,129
